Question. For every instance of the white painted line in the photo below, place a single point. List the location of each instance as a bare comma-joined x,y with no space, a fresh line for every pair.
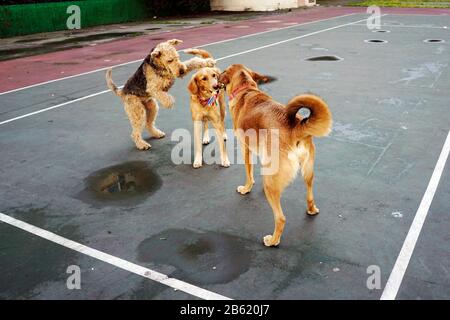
112,260
69,77
395,279
140,60
291,39
218,59
419,14
53,107
278,29
404,26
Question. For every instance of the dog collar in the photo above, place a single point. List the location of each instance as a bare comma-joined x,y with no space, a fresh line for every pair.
236,91
210,101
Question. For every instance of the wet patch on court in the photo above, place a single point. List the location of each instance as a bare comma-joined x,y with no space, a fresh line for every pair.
125,184
200,258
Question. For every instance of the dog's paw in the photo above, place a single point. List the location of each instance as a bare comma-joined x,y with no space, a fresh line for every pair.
197,163
206,140
243,189
312,211
225,163
143,145
210,62
168,102
269,241
158,134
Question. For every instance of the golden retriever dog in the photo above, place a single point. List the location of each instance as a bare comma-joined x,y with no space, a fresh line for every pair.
151,83
255,111
207,104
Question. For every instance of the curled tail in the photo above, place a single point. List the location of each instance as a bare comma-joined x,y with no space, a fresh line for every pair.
199,52
111,84
320,120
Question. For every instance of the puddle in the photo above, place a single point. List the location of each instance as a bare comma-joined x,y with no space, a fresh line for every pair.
200,258
151,29
375,41
125,184
381,31
324,58
433,41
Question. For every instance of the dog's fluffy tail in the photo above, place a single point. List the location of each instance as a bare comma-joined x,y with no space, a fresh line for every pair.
111,84
320,120
199,52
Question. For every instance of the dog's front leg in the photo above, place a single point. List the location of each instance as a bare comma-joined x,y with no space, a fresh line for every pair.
220,132
250,181
166,100
198,159
197,63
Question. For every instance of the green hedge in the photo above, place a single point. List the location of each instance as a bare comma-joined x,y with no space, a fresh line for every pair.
44,17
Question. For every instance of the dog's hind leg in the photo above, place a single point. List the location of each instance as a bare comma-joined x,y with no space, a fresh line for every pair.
152,108
273,194
135,110
273,187
307,167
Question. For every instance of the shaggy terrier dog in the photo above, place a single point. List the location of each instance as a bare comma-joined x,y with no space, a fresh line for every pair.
149,84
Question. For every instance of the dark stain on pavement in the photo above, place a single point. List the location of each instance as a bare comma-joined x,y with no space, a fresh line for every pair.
125,184
201,258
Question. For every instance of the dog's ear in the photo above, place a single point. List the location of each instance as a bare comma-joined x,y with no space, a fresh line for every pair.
192,86
224,78
156,53
259,78
174,42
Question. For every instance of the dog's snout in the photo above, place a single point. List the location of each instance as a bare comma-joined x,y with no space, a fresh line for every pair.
216,86
182,71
